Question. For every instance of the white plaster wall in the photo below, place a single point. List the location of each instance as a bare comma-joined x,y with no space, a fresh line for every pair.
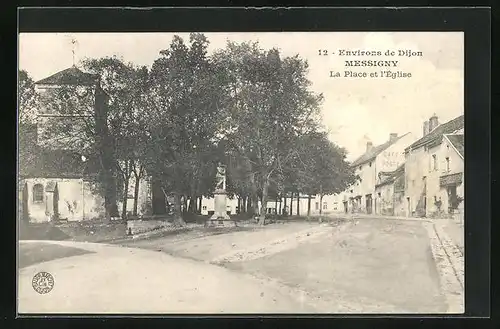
416,167
442,151
72,200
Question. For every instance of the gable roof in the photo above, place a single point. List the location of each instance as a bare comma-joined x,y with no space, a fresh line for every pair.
70,76
458,143
374,151
391,176
437,134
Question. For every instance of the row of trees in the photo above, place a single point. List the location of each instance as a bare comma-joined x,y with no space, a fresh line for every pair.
249,108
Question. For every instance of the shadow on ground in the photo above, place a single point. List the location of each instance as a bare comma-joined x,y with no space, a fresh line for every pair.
34,253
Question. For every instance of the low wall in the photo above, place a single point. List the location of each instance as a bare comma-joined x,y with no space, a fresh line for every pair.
138,226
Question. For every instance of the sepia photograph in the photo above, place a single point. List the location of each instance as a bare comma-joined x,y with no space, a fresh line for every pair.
241,173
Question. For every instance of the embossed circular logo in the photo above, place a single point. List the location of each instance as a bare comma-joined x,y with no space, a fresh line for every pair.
43,282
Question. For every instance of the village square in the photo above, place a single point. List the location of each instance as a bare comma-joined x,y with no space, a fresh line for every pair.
208,182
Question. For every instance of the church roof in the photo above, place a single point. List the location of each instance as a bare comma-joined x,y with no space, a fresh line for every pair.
70,76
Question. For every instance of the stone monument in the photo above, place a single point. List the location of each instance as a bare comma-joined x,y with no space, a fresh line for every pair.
220,218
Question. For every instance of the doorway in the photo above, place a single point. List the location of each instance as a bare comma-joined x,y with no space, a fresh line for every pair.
452,197
346,208
369,203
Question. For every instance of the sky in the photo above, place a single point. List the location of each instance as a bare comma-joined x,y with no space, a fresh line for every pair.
355,110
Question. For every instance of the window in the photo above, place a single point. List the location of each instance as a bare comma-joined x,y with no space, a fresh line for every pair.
447,164
370,164
325,206
434,162
38,193
204,207
317,205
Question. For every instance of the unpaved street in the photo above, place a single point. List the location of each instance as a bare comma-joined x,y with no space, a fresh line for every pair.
354,266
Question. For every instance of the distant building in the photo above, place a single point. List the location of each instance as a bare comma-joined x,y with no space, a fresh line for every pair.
208,206
434,169
390,192
387,157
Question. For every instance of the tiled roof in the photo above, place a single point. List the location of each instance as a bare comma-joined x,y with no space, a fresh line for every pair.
458,143
451,179
392,175
446,128
374,151
70,76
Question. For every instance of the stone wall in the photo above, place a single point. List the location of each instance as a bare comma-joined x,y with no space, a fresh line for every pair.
138,226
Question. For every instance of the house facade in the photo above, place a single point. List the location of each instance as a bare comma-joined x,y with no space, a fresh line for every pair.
387,157
434,170
390,192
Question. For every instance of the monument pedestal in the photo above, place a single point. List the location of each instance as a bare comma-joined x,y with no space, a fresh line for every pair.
220,218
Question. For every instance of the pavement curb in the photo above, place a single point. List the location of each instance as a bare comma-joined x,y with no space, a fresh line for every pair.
451,284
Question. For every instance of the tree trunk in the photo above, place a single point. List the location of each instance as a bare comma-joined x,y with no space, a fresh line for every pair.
263,206
192,204
280,209
284,207
276,206
298,204
200,199
249,206
320,205
184,203
178,210
253,195
136,194
125,196
255,203
309,206
106,155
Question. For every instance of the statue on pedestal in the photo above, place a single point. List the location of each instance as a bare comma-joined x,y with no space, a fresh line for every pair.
220,216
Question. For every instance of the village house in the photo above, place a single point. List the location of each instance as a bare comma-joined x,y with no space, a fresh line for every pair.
390,191
56,180
434,170
387,157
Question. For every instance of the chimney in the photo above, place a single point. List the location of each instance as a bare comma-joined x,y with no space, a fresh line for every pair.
393,136
426,128
369,146
433,122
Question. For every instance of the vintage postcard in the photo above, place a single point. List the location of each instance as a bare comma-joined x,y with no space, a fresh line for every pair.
249,173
